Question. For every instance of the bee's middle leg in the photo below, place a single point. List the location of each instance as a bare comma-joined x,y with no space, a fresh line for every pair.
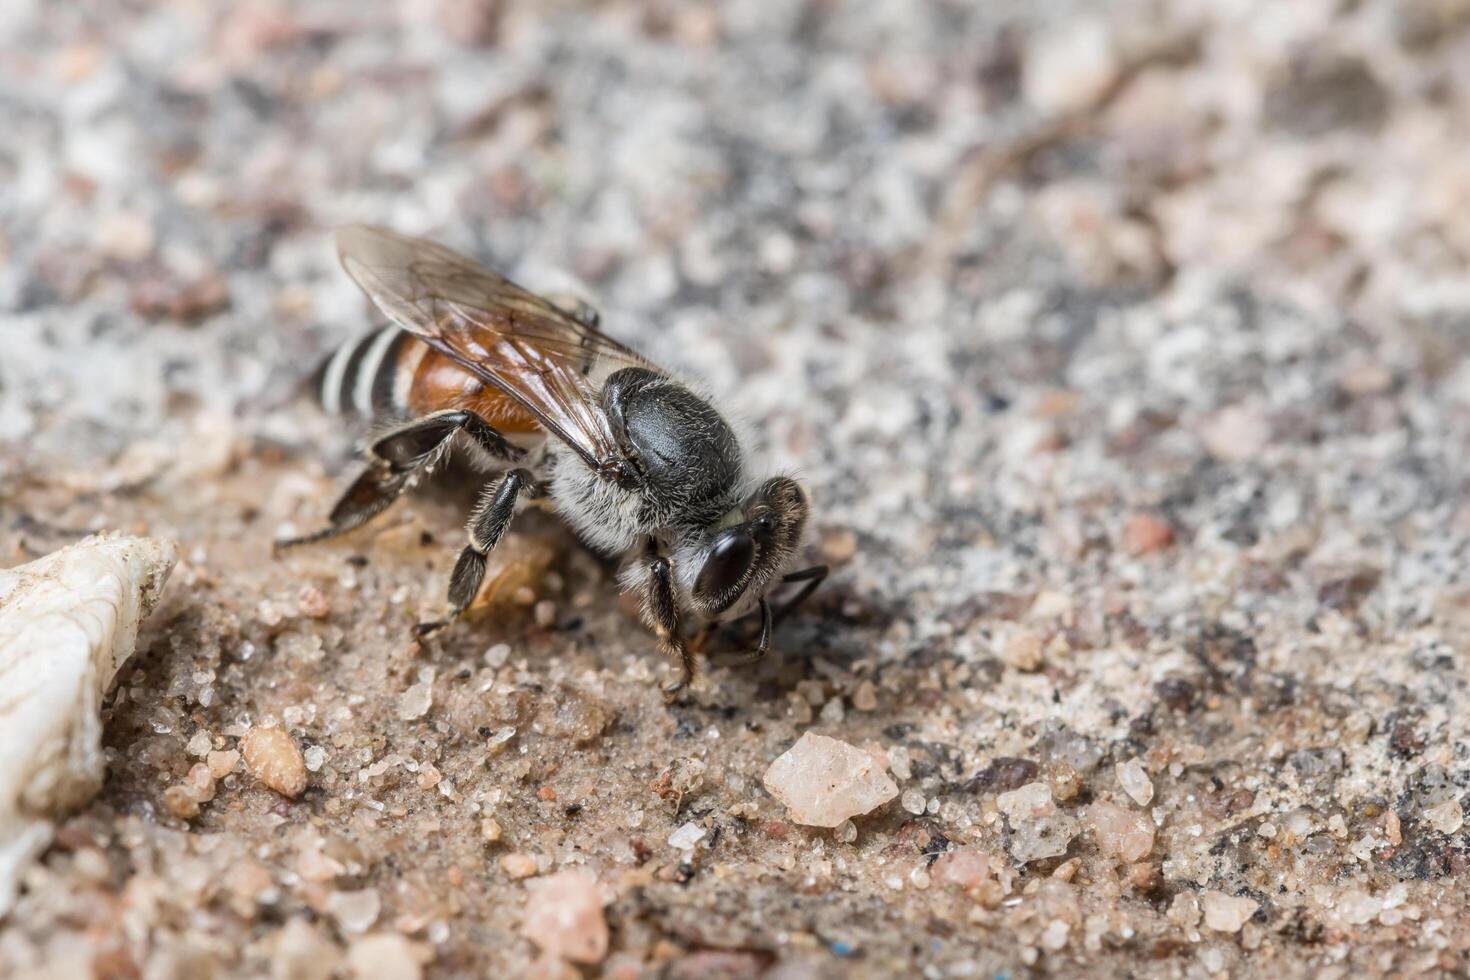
486,526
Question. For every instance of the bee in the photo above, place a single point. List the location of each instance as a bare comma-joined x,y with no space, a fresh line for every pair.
545,403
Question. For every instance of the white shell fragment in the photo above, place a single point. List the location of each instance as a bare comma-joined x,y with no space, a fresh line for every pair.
824,781
68,621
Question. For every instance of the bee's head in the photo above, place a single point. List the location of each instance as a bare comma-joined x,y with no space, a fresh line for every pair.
736,562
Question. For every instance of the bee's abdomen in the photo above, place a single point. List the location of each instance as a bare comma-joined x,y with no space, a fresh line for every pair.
362,376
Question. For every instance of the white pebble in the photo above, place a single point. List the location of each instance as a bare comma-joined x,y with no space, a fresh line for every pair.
1133,777
1447,817
686,836
415,702
355,911
1226,913
824,782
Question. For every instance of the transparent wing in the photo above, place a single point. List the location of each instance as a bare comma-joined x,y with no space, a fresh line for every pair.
550,363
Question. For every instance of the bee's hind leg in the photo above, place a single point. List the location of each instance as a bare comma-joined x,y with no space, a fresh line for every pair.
369,495
396,459
423,441
486,526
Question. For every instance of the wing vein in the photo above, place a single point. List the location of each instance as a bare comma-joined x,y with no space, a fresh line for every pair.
548,362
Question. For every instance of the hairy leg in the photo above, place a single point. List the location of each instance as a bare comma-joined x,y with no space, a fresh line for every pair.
397,458
813,577
661,612
486,526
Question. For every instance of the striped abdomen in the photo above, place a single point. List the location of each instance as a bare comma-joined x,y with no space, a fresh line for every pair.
392,375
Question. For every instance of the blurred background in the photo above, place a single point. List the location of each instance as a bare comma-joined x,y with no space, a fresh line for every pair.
743,171
1134,330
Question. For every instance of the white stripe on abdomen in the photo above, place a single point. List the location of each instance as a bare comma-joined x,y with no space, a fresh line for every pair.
367,371
331,393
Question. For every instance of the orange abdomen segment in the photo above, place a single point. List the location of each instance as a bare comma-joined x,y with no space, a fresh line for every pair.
440,382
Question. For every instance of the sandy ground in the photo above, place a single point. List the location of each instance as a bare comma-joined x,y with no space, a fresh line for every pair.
1123,356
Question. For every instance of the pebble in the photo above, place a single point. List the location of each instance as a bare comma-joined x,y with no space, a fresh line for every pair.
313,865
518,865
221,764
200,744
1145,534
1125,834
913,801
1067,68
415,702
124,235
1022,650
838,546
1133,777
313,602
564,917
823,781
273,758
1365,378
355,911
301,952
183,800
1236,434
1226,913
1357,907
1038,829
384,956
832,712
865,698
1184,910
964,867
1447,817
686,836
164,299
1054,936
180,803
575,714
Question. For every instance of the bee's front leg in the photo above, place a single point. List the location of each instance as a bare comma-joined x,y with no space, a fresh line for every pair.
661,612
811,578
763,646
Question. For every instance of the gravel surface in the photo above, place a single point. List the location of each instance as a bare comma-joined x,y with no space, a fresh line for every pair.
1122,352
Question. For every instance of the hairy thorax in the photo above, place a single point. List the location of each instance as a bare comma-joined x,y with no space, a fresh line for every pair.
605,516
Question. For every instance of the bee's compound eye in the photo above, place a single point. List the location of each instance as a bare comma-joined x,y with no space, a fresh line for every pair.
728,561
